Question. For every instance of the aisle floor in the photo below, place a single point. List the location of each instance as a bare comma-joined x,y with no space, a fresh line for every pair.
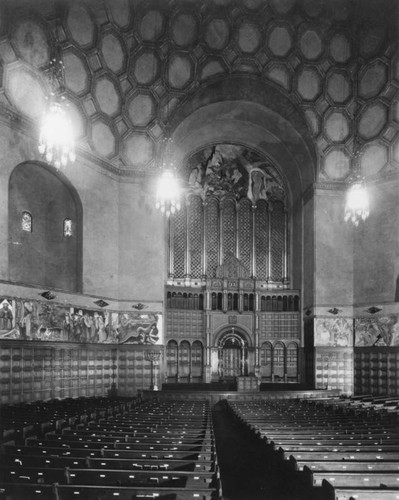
247,470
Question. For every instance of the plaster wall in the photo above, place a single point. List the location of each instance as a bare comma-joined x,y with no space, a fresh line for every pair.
142,245
333,271
376,247
99,195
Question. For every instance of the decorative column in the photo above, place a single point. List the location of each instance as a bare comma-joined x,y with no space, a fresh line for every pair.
153,357
221,211
187,270
285,249
257,349
269,238
285,364
208,366
204,259
171,247
253,247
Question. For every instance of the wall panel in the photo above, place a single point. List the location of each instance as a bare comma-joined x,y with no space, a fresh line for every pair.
32,371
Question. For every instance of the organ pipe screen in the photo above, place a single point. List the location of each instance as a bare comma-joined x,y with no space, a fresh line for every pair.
235,206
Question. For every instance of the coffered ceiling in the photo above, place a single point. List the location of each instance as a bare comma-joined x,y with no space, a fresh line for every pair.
130,65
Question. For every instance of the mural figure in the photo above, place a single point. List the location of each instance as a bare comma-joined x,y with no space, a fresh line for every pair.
26,322
384,328
6,316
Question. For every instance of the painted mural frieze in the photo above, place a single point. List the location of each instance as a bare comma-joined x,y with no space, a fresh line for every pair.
38,320
227,169
334,332
382,331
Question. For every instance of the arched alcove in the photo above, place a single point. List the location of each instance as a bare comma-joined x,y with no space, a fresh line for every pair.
50,253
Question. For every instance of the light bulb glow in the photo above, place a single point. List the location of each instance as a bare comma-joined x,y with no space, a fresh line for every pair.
357,203
167,193
56,140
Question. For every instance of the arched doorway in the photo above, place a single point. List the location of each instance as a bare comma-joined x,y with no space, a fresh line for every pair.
233,355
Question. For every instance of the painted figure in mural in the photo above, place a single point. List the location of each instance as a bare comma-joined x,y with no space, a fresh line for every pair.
67,327
89,331
99,323
6,316
77,327
26,321
150,334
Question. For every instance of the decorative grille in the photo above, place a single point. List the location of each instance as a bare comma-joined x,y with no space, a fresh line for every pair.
261,240
180,235
245,233
277,241
195,235
228,227
212,236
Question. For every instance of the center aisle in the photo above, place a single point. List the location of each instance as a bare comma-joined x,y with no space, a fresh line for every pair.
248,471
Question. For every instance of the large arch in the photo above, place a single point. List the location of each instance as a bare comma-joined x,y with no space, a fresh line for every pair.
245,110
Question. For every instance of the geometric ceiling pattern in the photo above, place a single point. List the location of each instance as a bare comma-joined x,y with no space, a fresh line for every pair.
129,65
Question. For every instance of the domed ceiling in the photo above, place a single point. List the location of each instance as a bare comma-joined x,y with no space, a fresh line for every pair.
129,65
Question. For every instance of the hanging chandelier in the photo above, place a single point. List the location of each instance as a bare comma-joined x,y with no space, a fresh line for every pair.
168,188
357,203
357,207
56,138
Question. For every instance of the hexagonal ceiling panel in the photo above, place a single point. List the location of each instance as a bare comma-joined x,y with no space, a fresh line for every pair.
130,66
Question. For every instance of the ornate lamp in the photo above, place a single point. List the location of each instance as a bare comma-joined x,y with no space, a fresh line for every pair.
357,200
357,207
168,188
153,357
357,203
56,139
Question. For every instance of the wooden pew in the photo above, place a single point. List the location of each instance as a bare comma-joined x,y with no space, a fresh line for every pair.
111,453
109,477
338,455
86,492
147,439
105,463
331,492
345,465
352,478
119,445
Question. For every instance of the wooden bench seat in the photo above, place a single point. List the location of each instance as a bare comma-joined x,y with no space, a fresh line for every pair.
110,477
86,492
110,453
344,433
346,465
352,478
105,463
132,431
118,445
339,455
334,441
333,492
149,440
337,448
